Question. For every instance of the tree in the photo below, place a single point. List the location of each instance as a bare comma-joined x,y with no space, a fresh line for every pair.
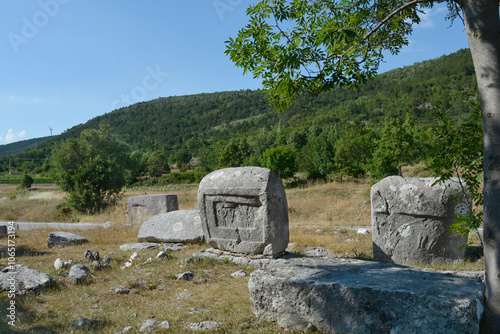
157,164
282,160
91,169
395,149
303,46
26,182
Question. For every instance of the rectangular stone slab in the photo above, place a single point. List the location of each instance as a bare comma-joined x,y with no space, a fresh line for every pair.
351,296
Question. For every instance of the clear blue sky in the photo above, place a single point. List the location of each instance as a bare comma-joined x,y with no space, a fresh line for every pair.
63,62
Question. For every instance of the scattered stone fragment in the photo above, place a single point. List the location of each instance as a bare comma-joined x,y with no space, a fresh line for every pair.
79,274
139,246
3,231
85,324
135,259
141,208
127,329
239,273
173,247
21,280
134,315
320,231
187,276
107,259
91,256
317,252
197,310
353,296
85,296
148,326
204,325
60,264
184,295
119,290
95,306
244,210
363,231
98,266
64,239
164,324
162,255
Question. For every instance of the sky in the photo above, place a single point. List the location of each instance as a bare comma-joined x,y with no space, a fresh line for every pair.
64,62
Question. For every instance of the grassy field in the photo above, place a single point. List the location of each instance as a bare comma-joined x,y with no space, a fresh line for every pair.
322,215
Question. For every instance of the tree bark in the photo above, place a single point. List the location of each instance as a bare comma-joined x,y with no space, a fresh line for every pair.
482,24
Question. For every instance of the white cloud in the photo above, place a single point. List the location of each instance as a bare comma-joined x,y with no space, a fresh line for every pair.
13,136
428,18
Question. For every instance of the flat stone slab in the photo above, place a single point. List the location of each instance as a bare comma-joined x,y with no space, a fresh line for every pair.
64,239
139,246
21,280
351,296
175,226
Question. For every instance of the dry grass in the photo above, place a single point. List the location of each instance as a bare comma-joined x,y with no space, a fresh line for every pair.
321,215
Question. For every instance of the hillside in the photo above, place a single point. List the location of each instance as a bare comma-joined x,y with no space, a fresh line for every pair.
20,146
191,124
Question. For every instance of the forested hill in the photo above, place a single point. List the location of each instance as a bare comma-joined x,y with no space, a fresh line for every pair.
19,146
192,123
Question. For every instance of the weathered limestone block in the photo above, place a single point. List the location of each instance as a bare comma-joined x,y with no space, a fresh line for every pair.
64,239
244,210
175,226
21,280
141,208
352,296
410,220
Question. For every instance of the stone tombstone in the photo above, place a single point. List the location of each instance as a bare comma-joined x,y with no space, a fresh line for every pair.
244,210
141,208
175,226
411,217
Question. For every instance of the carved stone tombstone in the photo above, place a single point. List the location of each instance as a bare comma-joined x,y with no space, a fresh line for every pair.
141,208
411,217
244,210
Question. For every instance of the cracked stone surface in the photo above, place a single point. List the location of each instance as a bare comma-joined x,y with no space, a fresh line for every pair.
410,219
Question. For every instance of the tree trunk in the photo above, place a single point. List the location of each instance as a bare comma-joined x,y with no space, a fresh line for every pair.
482,25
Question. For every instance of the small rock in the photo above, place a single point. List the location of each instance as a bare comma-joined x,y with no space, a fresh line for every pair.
184,295
60,264
98,266
79,274
139,246
363,231
320,231
126,330
85,296
173,247
119,290
134,315
148,325
204,325
187,276
317,252
164,324
95,306
162,255
239,273
83,324
197,310
91,256
107,259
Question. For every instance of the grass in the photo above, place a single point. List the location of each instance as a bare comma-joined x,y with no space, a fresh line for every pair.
322,215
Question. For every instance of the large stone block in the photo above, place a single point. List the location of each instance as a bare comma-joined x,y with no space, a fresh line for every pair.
175,226
64,239
351,296
411,217
22,280
244,210
141,208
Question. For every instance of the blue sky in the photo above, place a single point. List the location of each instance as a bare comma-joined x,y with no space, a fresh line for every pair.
63,62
